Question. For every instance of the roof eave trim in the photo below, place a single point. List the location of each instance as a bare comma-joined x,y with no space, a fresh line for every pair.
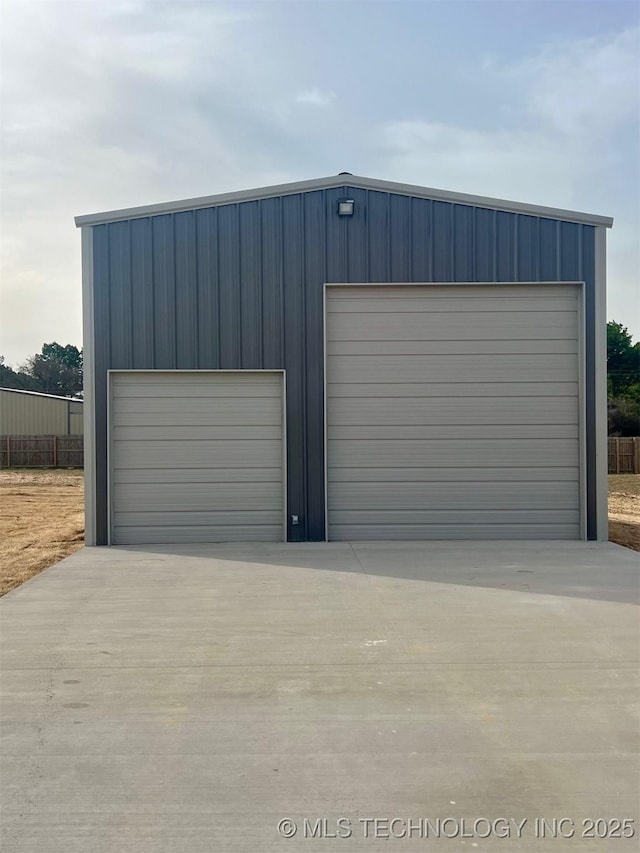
341,181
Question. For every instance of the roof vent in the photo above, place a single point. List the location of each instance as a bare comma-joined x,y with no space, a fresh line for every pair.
344,173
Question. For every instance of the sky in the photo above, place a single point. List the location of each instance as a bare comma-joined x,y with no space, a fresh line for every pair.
110,104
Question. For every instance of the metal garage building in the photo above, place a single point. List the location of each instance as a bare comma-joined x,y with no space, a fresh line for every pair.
33,413
344,358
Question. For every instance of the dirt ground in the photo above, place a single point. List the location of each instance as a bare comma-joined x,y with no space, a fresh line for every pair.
624,510
41,519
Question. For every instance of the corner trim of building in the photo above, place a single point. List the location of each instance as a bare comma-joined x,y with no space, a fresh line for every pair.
582,411
89,405
600,395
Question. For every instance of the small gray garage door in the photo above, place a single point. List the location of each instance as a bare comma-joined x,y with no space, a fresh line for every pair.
196,457
453,412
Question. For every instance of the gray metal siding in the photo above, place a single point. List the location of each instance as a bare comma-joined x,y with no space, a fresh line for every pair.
22,413
240,286
434,392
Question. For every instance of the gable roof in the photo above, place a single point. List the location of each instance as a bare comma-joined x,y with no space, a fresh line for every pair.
344,179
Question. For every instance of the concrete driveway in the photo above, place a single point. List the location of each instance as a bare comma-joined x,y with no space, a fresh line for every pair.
376,696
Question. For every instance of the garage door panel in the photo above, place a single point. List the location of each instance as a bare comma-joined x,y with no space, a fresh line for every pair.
414,325
451,473
458,347
195,411
399,293
465,302
178,388
194,534
162,476
196,457
480,368
506,390
190,433
472,431
196,454
188,497
452,411
455,530
447,496
460,517
198,519
441,452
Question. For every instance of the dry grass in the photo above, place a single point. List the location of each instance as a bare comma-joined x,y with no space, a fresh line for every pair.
41,521
624,510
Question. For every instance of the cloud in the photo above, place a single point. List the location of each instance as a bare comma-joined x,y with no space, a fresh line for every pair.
315,97
503,163
585,87
566,102
568,138
104,105
109,105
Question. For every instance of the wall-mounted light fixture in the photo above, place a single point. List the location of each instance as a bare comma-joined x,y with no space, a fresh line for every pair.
345,207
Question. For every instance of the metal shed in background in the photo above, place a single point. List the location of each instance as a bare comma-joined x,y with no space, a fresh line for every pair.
490,304
32,413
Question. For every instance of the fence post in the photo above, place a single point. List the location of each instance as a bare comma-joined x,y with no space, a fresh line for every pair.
55,451
617,455
8,451
636,455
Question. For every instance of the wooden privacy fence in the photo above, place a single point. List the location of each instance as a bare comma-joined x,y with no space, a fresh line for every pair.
41,451
624,455
66,451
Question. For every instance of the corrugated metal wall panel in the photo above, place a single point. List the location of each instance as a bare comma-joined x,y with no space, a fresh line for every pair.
229,250
142,295
358,231
485,245
442,241
102,362
250,286
336,235
36,414
548,250
421,237
400,237
378,227
208,287
294,353
315,221
164,303
272,282
120,304
241,286
186,306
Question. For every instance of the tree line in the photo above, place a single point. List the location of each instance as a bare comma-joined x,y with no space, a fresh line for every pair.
57,369
54,370
623,381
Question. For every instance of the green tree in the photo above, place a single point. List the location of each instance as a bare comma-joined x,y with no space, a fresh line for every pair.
623,362
57,369
623,381
9,378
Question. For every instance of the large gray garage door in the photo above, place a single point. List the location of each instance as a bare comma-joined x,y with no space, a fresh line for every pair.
196,457
453,412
